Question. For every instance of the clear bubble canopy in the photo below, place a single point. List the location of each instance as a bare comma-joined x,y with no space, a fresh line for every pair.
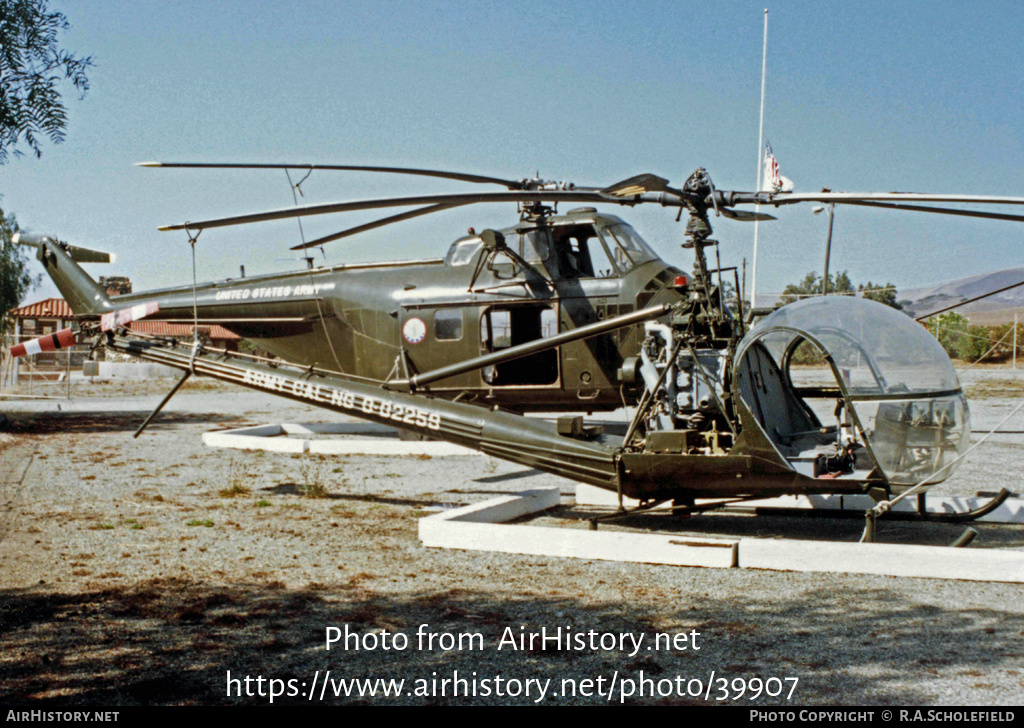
894,378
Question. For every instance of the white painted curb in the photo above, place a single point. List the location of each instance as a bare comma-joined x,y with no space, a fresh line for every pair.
935,562
479,527
277,438
260,437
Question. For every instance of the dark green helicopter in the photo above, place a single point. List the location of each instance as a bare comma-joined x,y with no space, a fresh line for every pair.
574,313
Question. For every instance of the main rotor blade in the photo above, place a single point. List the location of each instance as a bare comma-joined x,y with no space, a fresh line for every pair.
371,225
747,216
789,198
637,185
457,199
942,210
480,179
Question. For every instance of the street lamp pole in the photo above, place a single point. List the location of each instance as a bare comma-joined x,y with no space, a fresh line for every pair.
828,244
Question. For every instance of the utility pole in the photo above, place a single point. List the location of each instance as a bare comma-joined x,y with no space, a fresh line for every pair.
743,285
828,244
760,159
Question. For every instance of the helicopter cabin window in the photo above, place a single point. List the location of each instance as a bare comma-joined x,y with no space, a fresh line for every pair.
462,251
628,248
534,248
448,324
580,253
501,328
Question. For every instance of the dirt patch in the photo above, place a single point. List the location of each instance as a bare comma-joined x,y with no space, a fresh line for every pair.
143,571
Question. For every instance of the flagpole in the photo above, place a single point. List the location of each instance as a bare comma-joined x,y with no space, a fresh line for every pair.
760,152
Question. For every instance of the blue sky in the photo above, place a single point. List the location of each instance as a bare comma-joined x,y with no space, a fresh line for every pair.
910,96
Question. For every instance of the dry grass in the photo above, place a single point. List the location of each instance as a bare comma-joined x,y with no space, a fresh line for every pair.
995,388
312,472
237,479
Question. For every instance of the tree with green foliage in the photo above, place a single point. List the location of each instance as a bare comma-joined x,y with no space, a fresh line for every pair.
838,283
1003,334
959,338
841,285
882,293
32,70
15,280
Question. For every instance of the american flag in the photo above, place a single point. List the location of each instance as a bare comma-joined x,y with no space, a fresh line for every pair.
773,181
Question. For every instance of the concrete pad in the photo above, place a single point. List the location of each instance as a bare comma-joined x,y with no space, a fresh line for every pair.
386,447
503,508
1012,511
476,528
283,438
480,527
572,543
936,562
134,370
337,428
262,437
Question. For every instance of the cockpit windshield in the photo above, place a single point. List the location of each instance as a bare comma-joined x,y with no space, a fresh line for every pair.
628,248
576,248
879,350
879,374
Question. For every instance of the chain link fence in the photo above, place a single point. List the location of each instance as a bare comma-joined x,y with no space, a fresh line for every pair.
45,375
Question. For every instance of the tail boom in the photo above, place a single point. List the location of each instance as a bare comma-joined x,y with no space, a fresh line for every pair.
82,293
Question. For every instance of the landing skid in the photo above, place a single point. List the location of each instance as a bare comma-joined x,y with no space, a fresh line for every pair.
870,518
1004,508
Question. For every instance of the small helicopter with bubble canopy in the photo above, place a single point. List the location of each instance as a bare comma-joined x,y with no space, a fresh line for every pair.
574,313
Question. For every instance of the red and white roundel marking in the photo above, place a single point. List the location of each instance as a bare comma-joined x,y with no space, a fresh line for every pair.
414,330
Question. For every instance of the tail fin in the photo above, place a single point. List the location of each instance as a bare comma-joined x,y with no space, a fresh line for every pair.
61,260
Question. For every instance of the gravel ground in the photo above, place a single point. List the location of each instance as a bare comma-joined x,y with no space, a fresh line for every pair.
150,570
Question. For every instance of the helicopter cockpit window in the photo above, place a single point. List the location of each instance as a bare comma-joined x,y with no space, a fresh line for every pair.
448,325
462,251
628,248
580,252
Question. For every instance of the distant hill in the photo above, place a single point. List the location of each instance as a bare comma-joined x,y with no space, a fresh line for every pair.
988,311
